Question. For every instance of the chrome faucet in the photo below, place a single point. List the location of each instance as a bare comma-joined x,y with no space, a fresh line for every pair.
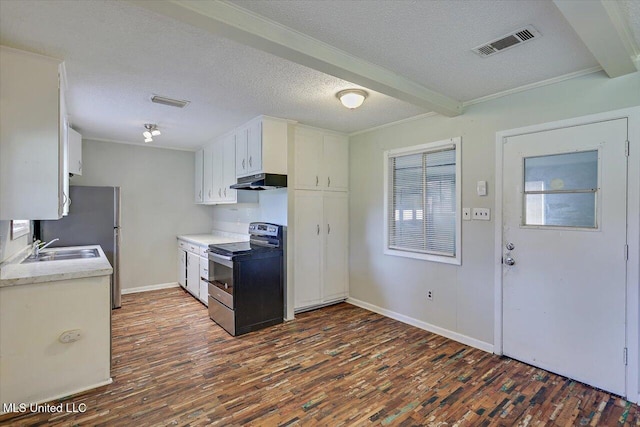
38,246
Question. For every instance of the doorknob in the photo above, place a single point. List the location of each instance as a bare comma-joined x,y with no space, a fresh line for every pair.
510,246
509,261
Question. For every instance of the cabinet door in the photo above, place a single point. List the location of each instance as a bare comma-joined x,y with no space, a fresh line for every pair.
336,255
182,268
254,148
193,274
241,152
336,163
64,129
308,155
308,248
31,145
74,153
199,176
204,286
207,174
217,162
228,168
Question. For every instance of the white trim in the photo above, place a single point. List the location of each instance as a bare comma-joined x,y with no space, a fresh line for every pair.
633,231
150,288
139,144
464,339
491,97
65,394
534,85
452,143
397,122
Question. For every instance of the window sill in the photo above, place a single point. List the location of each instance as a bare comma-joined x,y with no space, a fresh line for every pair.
425,257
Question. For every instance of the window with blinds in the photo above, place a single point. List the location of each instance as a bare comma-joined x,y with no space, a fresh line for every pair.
422,199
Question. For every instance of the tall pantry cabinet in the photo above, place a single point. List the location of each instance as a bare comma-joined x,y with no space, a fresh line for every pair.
321,220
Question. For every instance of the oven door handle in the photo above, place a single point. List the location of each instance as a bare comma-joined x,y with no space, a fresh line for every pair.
220,259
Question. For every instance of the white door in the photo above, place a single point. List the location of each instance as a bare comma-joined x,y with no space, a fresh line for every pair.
308,248
228,168
254,148
336,265
308,156
241,152
193,274
564,264
182,268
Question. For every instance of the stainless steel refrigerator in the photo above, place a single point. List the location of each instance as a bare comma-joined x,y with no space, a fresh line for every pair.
93,219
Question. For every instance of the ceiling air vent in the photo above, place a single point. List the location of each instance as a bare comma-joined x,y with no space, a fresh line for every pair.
507,41
168,101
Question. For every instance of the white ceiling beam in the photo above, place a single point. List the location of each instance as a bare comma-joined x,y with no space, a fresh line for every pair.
599,26
232,22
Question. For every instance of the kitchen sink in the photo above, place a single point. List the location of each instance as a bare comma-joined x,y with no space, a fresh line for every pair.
62,254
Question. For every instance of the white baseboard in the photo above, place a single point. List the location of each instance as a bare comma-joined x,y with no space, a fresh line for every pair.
423,325
150,288
66,394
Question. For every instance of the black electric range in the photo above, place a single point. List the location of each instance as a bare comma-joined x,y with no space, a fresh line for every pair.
246,280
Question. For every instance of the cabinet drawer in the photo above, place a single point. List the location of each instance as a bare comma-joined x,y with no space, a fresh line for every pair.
204,268
222,316
204,251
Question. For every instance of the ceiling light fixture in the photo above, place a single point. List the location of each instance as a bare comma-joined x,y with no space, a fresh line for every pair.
150,132
352,98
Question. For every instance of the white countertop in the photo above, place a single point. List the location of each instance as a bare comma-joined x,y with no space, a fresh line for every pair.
13,273
217,237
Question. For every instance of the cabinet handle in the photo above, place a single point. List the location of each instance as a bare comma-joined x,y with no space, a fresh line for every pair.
209,193
250,165
317,181
242,163
225,192
200,194
219,192
328,181
328,228
79,166
318,229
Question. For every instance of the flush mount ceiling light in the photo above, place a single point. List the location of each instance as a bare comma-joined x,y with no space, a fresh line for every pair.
150,132
352,98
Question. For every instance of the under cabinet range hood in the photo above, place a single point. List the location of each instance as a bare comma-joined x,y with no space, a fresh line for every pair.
261,181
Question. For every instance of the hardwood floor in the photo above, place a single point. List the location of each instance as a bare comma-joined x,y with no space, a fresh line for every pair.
339,366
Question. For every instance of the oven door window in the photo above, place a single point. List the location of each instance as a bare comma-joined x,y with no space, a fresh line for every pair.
221,275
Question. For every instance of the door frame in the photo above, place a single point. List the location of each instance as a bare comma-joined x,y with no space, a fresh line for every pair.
633,233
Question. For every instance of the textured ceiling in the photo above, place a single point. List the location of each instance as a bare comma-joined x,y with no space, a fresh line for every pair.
117,55
430,42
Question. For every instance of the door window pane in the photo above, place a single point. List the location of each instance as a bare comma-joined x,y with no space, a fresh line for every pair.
560,190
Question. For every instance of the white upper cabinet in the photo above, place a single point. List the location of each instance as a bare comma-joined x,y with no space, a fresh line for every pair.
74,140
31,142
321,160
228,168
261,147
207,174
199,158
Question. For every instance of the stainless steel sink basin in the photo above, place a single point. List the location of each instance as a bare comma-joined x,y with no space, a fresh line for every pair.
62,254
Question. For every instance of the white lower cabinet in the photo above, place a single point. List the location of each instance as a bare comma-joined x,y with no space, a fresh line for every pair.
193,274
321,248
204,285
182,267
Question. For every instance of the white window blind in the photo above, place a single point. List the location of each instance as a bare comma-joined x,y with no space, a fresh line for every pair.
422,202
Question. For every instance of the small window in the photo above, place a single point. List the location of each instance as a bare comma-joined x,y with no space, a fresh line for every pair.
422,201
560,190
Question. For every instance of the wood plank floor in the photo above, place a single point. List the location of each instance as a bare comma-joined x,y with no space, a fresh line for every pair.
339,366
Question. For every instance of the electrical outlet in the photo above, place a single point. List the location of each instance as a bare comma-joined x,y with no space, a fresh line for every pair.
466,214
483,214
430,295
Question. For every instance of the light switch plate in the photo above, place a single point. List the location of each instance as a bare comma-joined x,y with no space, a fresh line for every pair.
483,214
466,214
481,188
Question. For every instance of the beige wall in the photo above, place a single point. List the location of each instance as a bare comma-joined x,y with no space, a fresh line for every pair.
463,295
157,191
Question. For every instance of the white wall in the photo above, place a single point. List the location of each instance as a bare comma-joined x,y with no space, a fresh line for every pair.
271,207
9,247
157,192
463,295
